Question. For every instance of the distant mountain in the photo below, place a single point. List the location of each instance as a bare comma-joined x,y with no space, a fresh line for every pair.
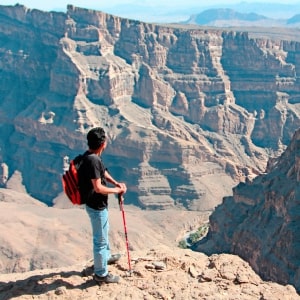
226,17
294,19
270,10
212,15
181,12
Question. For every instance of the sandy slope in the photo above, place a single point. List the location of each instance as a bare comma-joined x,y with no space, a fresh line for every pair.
34,236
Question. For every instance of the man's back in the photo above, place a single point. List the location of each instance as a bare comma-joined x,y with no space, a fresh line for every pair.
92,168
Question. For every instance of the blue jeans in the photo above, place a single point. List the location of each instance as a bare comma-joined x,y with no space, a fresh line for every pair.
101,250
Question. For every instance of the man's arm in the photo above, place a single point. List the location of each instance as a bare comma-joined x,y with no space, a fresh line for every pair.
102,189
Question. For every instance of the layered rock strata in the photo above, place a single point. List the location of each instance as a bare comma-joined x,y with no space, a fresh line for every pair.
189,112
260,222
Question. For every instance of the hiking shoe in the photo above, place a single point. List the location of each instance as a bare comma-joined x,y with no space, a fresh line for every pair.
109,278
113,259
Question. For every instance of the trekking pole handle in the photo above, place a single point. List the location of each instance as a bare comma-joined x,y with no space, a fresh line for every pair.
121,199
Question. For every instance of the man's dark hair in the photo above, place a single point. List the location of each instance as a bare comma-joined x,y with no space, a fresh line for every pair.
96,137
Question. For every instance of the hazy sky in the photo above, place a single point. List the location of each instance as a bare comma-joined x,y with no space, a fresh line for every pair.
54,4
135,8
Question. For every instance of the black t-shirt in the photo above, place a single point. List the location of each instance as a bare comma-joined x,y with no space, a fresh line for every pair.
92,168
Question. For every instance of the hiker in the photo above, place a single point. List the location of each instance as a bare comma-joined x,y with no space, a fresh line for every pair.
93,178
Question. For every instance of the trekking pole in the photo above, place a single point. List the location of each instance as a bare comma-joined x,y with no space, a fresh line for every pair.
121,199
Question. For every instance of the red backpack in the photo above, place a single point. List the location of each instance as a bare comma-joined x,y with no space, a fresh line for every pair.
70,181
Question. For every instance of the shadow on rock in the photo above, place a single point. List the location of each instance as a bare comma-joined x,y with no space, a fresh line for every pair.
59,282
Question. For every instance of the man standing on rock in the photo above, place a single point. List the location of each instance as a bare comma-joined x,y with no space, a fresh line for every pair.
93,177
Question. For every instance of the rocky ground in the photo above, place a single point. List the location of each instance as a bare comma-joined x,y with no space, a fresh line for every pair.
160,273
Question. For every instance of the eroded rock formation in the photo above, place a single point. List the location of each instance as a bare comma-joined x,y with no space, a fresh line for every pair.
260,222
189,112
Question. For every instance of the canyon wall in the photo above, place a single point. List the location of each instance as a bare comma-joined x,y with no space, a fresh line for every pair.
189,112
260,222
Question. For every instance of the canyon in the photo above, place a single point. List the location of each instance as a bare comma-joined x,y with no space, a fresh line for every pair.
202,122
190,112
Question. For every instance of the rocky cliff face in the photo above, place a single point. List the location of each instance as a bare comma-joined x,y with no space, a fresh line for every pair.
260,222
189,112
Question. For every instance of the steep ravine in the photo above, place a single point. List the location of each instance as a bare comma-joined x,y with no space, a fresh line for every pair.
260,222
